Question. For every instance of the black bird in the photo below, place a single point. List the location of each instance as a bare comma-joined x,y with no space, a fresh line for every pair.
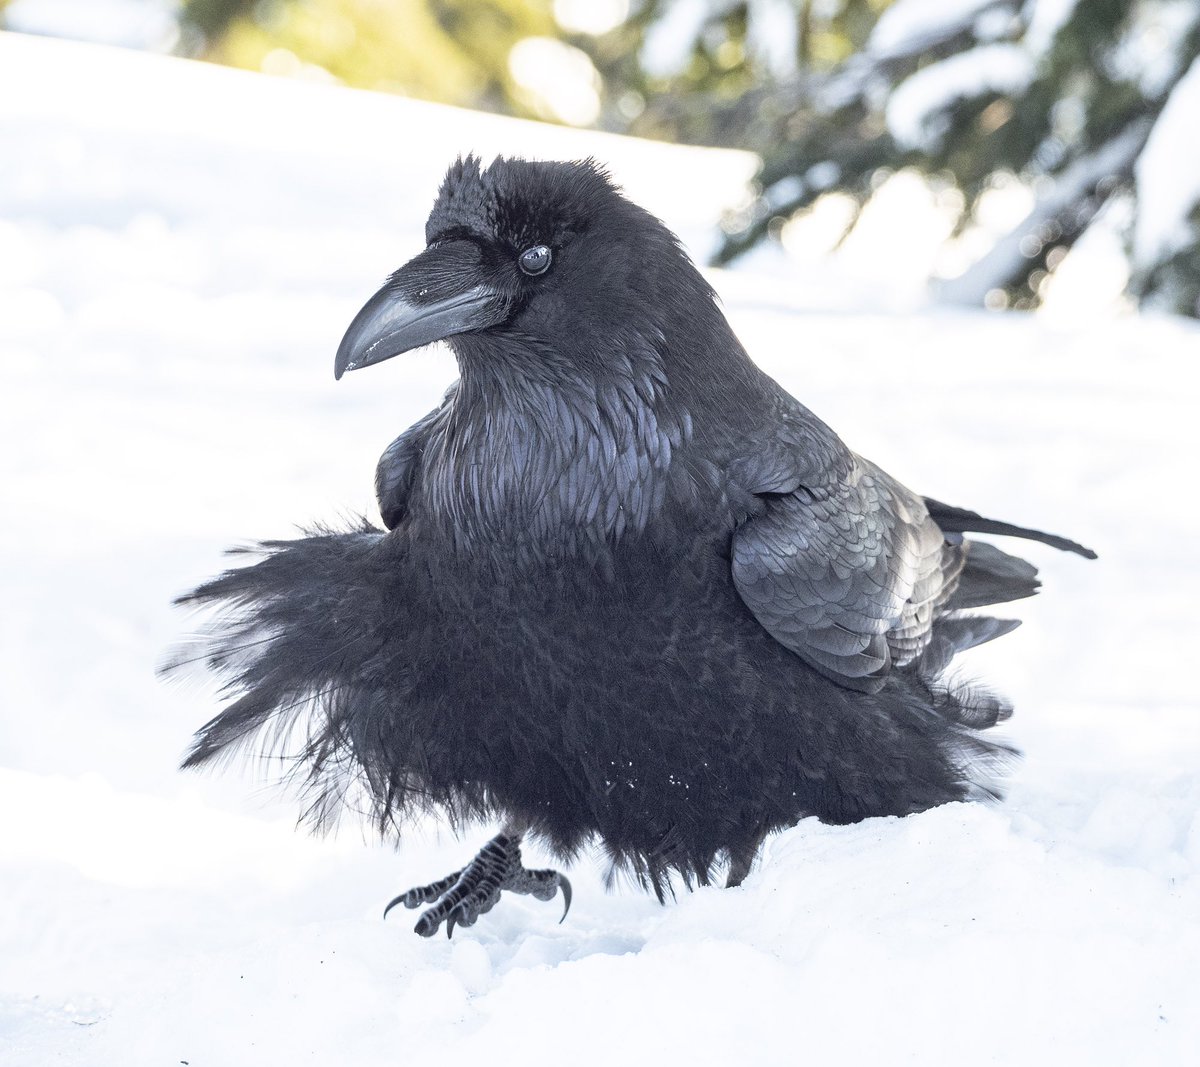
630,589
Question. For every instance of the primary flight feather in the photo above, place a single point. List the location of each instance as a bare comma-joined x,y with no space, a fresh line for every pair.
629,589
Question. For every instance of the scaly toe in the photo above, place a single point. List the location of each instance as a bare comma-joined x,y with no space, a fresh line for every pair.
460,898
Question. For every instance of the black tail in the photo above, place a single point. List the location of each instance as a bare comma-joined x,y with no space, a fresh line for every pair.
991,576
960,520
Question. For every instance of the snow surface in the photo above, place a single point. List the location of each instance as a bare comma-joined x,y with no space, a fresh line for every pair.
1044,19
181,247
128,23
1000,263
908,25
772,34
916,103
1152,51
1168,174
670,38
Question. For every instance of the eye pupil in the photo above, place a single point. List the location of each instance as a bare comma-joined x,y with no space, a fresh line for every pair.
535,260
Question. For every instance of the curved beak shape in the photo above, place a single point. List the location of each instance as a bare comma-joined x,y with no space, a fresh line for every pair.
437,294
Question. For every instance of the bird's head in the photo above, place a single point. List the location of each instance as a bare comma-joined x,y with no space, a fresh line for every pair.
539,263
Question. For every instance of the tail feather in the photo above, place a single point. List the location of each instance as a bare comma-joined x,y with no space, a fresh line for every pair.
991,576
960,520
953,634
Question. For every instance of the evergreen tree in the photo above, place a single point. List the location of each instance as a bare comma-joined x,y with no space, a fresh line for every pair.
1091,103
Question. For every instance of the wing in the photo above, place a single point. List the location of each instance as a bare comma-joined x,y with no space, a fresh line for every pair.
848,571
398,466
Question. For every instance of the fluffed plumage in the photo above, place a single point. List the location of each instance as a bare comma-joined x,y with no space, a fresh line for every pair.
629,590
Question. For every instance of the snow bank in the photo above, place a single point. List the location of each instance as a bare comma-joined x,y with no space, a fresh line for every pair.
127,23
180,249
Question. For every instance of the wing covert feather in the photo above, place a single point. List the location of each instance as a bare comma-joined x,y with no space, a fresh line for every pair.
849,574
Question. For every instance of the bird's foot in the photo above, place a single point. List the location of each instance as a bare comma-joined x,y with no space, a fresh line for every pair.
463,896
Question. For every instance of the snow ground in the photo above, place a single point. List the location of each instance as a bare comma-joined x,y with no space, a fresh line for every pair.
180,249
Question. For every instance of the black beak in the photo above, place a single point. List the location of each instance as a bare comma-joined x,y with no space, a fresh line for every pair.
437,294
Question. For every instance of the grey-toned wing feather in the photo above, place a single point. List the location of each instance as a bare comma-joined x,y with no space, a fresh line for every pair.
397,468
848,575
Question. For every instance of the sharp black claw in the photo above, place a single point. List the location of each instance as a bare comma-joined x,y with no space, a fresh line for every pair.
460,898
393,902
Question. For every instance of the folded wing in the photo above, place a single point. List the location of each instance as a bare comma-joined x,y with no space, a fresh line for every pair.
848,574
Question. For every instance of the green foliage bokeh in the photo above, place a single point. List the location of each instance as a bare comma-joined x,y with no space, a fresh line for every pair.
453,51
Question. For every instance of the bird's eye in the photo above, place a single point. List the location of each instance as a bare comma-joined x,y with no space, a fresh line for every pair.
535,260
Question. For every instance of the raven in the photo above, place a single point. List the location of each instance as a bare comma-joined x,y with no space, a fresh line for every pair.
629,590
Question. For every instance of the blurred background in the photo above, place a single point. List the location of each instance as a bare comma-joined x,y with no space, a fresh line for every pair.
989,153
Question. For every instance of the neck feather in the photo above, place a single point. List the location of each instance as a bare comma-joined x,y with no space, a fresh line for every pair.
537,449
